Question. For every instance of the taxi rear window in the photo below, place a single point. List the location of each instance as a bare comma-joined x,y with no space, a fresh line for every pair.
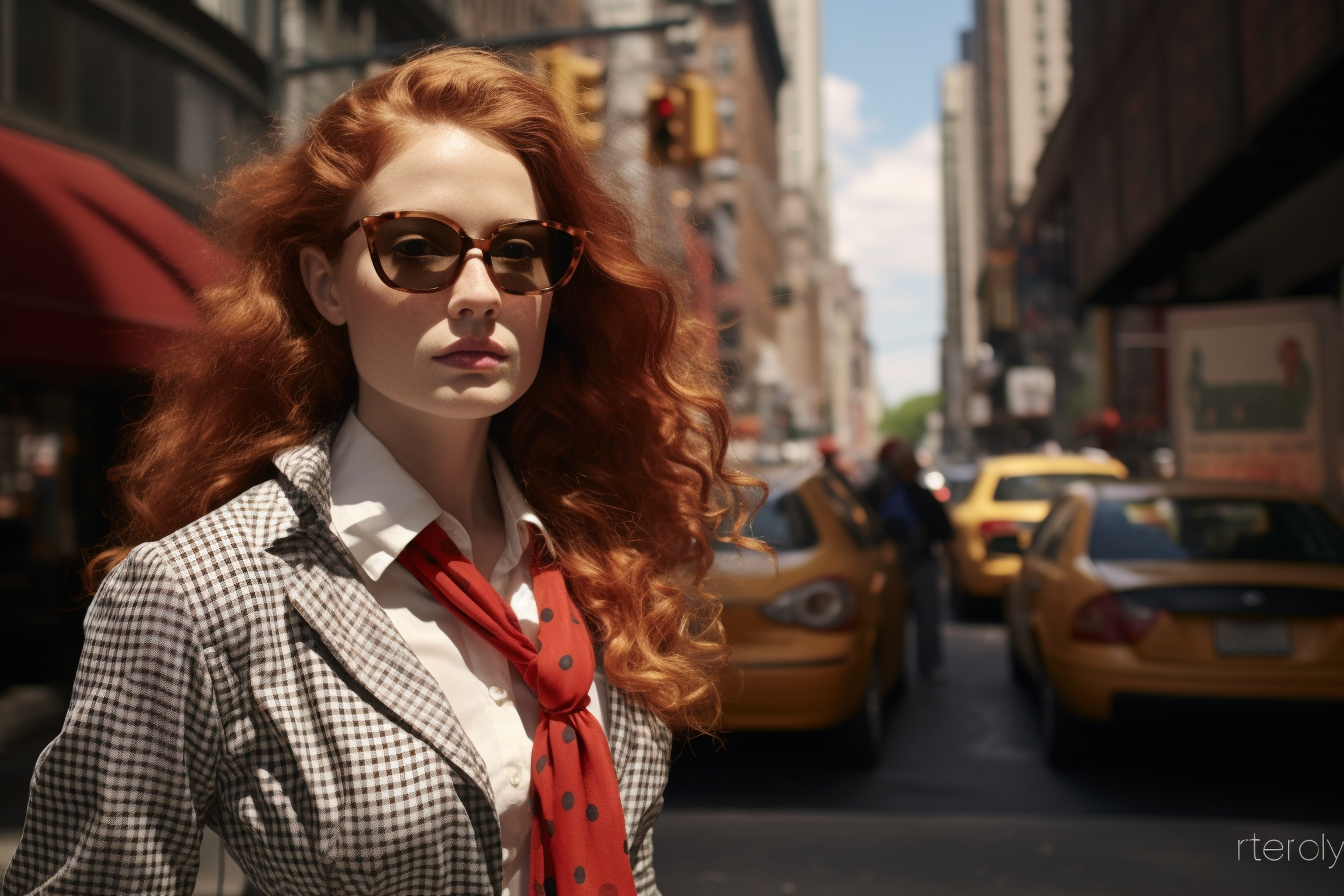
1211,529
1043,487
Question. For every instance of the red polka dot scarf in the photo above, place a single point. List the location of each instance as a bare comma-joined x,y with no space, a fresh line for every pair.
578,827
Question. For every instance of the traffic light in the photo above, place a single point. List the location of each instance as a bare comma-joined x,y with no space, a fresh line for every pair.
667,124
577,81
683,123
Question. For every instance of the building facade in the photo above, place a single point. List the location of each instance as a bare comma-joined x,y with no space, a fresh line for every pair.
963,257
1200,168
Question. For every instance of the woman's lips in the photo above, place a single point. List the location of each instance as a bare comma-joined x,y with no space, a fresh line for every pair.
471,360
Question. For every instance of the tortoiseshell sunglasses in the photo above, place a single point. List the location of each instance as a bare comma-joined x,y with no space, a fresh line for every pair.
423,252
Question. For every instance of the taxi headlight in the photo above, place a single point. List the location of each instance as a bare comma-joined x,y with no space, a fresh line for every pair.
825,604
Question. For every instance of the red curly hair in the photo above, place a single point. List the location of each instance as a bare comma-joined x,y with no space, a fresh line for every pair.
619,444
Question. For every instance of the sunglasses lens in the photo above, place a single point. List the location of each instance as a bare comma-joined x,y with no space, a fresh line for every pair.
418,253
530,257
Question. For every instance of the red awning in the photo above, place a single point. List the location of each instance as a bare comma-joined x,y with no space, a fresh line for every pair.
96,271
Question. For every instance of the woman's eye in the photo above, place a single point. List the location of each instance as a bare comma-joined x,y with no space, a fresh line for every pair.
515,250
416,247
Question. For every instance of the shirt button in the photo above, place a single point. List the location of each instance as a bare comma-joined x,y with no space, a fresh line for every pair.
499,695
515,777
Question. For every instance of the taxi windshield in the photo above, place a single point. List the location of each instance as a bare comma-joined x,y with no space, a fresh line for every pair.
783,523
1214,529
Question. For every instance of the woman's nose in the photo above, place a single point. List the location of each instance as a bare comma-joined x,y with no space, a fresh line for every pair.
474,294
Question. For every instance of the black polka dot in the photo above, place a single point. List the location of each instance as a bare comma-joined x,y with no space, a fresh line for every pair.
547,615
574,620
567,800
550,828
579,875
566,661
541,765
568,735
608,890
592,812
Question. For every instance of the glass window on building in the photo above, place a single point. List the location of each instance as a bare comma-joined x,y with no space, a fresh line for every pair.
101,79
725,56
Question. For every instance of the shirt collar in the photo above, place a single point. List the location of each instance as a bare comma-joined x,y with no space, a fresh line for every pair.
377,508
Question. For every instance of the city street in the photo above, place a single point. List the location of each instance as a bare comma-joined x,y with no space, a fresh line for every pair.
963,802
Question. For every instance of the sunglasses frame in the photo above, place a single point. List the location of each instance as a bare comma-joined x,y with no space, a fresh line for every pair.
370,224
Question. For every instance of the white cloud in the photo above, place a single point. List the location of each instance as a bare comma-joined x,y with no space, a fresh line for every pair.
892,303
905,374
886,215
840,98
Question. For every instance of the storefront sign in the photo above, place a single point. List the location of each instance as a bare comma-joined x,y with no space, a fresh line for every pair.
1250,390
1030,391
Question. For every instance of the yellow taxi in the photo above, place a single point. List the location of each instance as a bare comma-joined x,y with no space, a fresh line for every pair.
993,523
1178,601
818,632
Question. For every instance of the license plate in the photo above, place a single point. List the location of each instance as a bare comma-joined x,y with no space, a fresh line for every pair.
1247,637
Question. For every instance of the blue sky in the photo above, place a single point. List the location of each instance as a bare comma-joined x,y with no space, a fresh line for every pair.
882,64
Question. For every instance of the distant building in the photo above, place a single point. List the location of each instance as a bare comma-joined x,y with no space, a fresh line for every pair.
849,364
737,200
804,214
1000,104
963,257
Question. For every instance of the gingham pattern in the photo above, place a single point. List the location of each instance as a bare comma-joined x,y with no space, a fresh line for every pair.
238,675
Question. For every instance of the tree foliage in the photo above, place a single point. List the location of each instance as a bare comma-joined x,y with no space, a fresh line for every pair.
906,420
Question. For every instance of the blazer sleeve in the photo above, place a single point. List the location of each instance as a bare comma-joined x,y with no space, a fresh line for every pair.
642,860
117,799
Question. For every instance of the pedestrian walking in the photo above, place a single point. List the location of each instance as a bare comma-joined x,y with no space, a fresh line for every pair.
916,520
406,596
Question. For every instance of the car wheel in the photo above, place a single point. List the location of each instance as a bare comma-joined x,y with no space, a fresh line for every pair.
860,736
1066,736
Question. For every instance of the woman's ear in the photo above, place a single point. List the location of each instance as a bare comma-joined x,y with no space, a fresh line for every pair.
319,277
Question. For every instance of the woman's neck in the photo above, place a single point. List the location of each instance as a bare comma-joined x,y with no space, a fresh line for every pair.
446,456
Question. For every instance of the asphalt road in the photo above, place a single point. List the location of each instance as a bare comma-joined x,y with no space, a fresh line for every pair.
963,802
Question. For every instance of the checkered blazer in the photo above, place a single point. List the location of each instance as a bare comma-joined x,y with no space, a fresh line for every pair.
238,675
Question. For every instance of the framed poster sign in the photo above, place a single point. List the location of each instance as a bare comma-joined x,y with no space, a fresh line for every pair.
1252,392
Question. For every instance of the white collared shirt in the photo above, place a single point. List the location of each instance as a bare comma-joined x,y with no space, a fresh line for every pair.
376,510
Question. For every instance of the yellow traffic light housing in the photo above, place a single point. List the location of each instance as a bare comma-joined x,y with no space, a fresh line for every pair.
702,141
683,122
577,81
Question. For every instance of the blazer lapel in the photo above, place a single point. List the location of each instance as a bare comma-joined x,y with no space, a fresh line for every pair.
327,592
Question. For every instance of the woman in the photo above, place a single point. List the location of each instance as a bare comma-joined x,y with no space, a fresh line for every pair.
407,597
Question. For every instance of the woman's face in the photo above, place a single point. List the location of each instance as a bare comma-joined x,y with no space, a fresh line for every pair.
468,351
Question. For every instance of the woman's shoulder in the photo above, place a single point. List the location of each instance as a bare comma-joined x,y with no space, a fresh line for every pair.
271,514
251,522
